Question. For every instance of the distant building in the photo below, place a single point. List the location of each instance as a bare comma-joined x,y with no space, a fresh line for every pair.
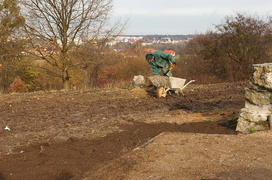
173,53
150,50
132,41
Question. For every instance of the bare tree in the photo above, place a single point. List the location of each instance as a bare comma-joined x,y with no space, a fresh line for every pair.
57,24
228,53
245,40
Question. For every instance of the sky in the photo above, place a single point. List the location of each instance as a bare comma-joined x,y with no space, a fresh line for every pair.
180,17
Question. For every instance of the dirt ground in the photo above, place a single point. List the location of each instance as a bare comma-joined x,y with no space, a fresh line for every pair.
129,134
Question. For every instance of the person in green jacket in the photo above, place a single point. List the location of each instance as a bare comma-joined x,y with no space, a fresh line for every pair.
160,62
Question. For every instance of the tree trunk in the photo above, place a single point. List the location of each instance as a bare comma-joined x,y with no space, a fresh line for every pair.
66,85
66,80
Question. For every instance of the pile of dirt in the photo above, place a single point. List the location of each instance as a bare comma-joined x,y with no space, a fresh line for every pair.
64,135
139,92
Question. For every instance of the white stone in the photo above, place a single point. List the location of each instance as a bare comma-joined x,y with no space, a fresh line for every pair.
138,81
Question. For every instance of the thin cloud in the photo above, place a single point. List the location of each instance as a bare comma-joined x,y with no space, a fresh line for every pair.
172,12
173,16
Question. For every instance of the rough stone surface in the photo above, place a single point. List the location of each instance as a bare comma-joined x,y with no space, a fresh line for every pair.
258,97
253,119
262,75
258,100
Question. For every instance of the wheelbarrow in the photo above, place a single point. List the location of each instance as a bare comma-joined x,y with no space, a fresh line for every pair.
163,84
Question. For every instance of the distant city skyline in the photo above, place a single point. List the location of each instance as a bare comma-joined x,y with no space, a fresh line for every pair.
183,17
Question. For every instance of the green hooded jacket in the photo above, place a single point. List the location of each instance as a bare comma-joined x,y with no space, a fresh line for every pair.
162,62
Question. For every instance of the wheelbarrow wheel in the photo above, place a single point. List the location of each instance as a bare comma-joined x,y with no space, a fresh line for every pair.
160,92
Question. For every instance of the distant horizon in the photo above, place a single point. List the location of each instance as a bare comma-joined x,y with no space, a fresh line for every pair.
156,34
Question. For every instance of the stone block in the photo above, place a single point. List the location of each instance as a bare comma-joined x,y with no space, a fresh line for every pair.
262,75
254,114
258,97
251,119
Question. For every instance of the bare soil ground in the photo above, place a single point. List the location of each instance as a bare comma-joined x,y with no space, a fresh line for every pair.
129,134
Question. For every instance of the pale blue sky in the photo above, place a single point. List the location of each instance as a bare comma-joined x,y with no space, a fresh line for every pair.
183,17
